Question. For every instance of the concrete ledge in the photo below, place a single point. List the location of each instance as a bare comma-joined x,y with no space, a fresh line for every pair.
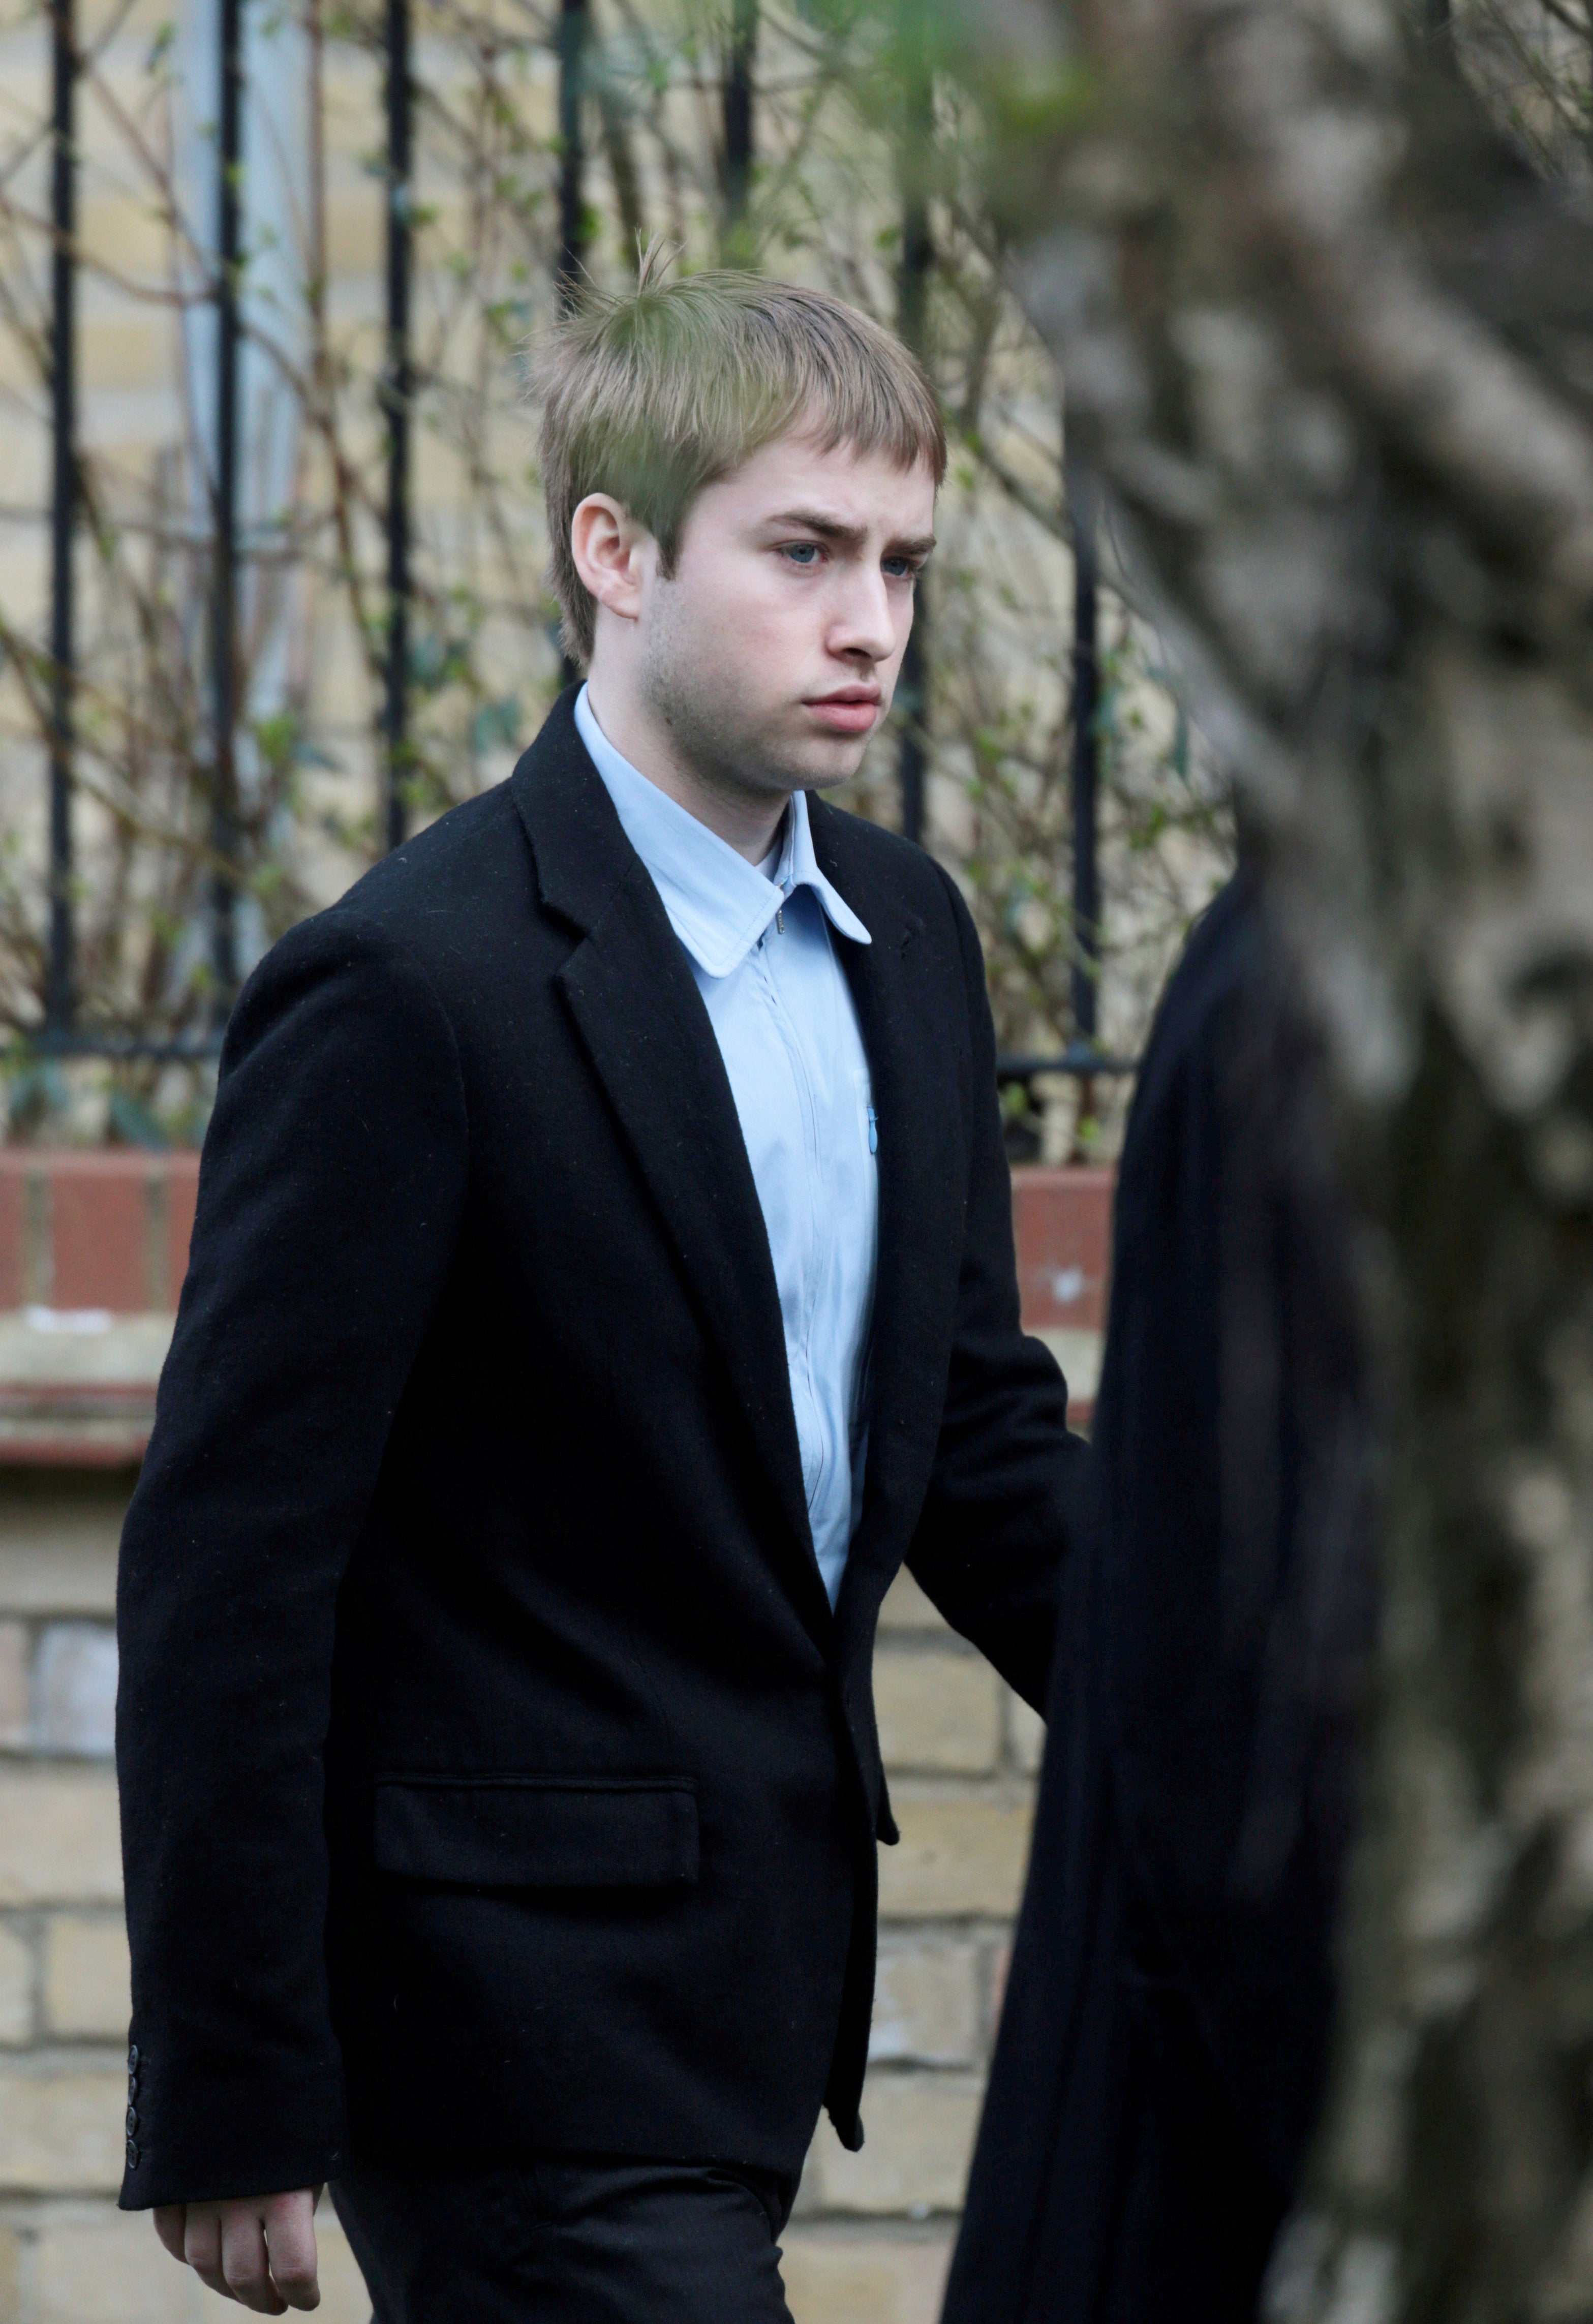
52,1351
78,1385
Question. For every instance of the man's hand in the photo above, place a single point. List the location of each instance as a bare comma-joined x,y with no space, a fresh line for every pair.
259,2250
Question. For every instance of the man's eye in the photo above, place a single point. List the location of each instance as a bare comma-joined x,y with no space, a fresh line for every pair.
901,568
801,552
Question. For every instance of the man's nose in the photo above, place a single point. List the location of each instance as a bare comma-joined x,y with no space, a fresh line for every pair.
862,624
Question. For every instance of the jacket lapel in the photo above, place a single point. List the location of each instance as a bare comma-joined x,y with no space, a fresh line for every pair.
922,1177
631,992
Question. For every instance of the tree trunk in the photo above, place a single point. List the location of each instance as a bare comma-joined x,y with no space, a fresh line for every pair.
1331,346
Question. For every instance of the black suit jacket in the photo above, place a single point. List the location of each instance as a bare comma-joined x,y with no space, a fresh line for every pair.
495,1771
1162,2048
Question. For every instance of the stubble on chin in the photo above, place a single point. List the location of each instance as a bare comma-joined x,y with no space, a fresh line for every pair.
730,744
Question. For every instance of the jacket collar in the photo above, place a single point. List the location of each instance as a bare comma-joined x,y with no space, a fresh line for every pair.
580,850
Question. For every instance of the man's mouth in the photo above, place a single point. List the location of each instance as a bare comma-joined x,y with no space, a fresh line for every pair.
850,710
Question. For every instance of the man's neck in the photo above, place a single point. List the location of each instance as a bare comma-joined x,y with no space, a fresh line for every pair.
747,820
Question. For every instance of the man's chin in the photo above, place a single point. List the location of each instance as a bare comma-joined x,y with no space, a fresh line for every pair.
820,765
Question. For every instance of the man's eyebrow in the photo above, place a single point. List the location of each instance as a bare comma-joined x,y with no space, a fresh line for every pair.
850,535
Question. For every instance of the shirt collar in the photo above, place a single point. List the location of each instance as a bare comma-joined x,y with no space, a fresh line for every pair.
718,903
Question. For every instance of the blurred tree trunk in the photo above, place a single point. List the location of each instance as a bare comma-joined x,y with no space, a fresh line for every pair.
1329,344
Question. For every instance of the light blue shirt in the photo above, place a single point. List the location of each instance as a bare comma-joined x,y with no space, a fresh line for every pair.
760,947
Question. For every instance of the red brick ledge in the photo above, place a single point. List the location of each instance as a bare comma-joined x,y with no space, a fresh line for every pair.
93,1248
84,1230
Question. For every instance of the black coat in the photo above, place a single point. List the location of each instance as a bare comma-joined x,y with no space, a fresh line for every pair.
494,1772
1160,2060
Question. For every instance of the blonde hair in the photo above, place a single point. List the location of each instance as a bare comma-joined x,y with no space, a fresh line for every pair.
653,392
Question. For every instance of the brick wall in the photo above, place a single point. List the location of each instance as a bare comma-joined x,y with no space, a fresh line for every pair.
871,2233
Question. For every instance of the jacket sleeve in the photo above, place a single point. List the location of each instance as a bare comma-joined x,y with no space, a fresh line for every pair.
330,1190
1005,1492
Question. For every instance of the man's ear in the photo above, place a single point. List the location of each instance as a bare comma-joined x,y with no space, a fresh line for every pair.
609,548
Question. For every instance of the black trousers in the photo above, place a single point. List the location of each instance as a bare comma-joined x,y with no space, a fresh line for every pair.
567,2239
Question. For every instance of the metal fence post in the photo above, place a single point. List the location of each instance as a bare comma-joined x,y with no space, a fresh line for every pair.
574,26
574,30
739,64
1082,502
224,676
917,263
397,389
61,979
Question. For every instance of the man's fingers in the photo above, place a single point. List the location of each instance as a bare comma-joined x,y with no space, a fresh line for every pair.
246,2265
171,2220
260,2251
201,2245
290,2242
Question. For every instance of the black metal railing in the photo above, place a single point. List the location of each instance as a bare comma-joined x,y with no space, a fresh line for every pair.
1083,1058
397,393
915,139
736,175
223,487
61,1032
62,965
1078,491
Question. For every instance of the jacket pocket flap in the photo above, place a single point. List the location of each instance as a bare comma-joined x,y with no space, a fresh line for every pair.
533,1831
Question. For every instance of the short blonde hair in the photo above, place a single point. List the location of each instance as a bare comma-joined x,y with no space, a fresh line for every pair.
653,392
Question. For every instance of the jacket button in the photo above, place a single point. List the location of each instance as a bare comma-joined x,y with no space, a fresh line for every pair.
133,2057
132,2154
132,2124
132,2088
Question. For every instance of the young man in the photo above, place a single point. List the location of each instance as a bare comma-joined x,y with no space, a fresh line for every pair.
603,1279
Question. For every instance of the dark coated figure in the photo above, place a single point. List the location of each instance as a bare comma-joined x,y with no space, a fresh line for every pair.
1160,2059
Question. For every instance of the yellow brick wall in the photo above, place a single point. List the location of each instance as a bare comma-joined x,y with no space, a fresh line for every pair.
871,2233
